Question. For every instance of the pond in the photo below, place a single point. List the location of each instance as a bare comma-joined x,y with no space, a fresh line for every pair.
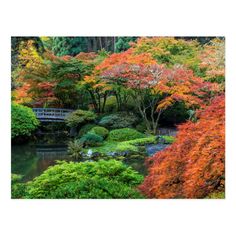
31,160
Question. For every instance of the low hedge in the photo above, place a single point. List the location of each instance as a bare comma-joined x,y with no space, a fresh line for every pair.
124,134
101,131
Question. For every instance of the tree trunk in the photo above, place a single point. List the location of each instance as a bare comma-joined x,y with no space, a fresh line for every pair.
104,102
100,42
114,44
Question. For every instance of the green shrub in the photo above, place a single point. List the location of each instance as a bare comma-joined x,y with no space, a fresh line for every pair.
75,149
101,131
78,117
86,180
17,187
85,129
23,121
119,120
91,140
124,134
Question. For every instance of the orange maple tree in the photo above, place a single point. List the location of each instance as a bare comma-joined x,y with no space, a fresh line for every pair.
155,87
193,166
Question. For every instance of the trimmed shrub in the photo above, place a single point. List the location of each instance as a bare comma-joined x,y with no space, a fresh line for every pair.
86,180
23,121
101,131
85,129
118,120
125,134
91,140
79,117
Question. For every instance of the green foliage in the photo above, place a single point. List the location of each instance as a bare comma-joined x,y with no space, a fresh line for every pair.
94,180
111,104
118,120
67,74
101,131
168,139
17,187
216,195
111,146
169,50
142,141
75,149
124,134
91,140
79,117
85,129
123,43
23,121
68,45
141,127
125,146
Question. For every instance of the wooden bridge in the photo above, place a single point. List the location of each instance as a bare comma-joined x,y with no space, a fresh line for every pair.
51,114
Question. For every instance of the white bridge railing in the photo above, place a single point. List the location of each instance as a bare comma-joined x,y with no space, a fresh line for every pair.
51,114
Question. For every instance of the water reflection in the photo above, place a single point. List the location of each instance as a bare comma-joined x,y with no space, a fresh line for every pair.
31,161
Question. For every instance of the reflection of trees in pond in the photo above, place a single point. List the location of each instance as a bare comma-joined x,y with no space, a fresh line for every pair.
23,160
29,163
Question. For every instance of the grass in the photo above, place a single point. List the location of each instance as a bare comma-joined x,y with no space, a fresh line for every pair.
112,146
131,145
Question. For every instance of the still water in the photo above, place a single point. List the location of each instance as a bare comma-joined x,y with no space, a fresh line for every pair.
31,160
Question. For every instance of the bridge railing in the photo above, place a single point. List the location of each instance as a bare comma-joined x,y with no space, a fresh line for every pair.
51,113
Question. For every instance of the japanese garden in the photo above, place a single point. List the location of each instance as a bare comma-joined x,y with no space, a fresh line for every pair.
117,117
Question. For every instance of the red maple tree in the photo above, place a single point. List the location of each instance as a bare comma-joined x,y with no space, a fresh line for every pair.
193,166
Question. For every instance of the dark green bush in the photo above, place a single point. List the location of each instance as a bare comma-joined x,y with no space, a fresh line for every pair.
94,180
79,117
85,129
119,120
125,134
141,127
101,131
23,121
91,140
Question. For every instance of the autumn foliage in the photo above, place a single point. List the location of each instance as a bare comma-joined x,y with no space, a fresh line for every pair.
193,166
